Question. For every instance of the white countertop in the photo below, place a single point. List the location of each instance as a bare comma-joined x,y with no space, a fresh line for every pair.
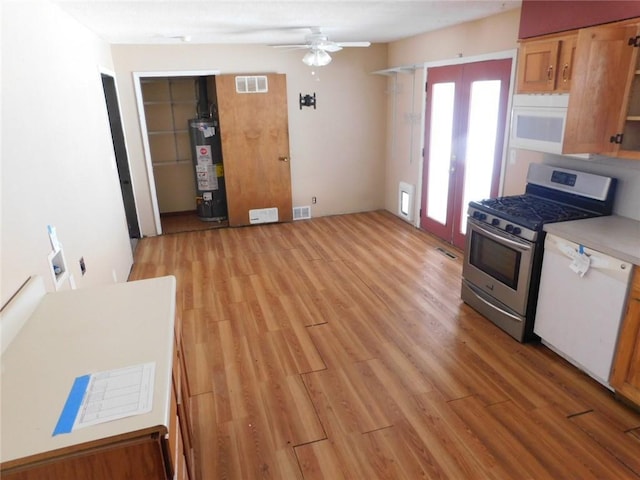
78,332
612,235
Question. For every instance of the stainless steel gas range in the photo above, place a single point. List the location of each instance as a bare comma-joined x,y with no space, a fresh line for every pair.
505,240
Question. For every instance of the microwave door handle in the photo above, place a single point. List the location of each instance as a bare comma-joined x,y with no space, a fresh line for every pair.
501,239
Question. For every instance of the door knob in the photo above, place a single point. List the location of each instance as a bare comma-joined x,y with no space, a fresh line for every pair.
283,159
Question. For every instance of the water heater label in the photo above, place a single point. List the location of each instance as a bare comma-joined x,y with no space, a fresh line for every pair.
204,156
207,179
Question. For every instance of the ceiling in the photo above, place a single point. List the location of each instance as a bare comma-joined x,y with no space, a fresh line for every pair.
272,21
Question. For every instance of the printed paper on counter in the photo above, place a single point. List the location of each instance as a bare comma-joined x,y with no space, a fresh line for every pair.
107,396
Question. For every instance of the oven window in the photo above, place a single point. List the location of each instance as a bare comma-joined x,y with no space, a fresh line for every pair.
495,259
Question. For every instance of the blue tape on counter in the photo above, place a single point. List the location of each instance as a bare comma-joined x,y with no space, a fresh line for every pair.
71,407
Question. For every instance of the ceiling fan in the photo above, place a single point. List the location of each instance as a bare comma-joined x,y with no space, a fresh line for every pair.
319,47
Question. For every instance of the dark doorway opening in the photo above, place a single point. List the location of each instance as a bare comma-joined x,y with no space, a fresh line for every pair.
120,151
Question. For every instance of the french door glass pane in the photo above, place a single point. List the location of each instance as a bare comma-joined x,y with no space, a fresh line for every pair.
440,143
481,141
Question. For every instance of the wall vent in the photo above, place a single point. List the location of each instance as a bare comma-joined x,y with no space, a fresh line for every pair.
301,213
252,84
263,215
446,252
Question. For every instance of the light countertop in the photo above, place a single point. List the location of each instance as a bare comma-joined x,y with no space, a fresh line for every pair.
78,332
613,235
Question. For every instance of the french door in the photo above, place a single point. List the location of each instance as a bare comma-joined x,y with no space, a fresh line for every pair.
466,114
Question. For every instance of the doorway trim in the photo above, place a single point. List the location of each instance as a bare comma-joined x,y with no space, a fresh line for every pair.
512,54
137,86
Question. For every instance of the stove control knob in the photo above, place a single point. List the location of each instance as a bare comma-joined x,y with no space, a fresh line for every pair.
509,228
516,230
481,216
495,222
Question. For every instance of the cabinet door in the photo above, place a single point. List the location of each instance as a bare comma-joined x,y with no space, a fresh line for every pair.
537,66
565,64
629,146
603,59
625,374
140,458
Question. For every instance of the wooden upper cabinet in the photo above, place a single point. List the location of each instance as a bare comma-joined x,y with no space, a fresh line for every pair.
603,70
545,66
625,374
629,123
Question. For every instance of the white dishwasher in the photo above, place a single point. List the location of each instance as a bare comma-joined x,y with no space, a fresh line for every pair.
581,301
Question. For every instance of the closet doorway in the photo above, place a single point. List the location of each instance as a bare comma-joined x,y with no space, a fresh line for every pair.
169,102
254,133
121,156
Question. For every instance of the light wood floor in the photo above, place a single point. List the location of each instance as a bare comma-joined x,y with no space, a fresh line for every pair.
338,347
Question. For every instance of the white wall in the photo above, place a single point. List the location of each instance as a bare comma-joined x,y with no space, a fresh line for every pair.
57,156
627,172
337,150
492,35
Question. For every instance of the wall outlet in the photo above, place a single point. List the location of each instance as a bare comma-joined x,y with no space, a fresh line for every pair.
313,200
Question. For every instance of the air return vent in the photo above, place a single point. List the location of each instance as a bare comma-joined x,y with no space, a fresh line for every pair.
301,213
252,84
263,215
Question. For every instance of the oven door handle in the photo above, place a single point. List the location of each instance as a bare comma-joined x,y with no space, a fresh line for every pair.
525,247
494,306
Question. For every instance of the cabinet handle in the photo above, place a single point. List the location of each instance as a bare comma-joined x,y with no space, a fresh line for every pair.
565,73
634,41
616,138
550,72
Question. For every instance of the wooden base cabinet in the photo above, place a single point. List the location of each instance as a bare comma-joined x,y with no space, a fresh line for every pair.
104,328
142,458
181,439
625,374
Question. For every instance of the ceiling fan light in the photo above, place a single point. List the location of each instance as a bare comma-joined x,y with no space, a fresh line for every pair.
316,58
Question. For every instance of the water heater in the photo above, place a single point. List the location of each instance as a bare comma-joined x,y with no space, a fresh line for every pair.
206,151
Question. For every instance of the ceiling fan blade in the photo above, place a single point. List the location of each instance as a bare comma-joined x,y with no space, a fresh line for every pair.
317,41
330,47
354,44
291,45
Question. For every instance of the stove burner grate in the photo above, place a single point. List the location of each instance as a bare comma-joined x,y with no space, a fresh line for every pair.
533,209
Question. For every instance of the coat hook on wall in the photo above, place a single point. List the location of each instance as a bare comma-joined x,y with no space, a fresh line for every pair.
308,101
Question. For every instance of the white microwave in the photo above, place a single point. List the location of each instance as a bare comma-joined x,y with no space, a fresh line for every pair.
538,123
